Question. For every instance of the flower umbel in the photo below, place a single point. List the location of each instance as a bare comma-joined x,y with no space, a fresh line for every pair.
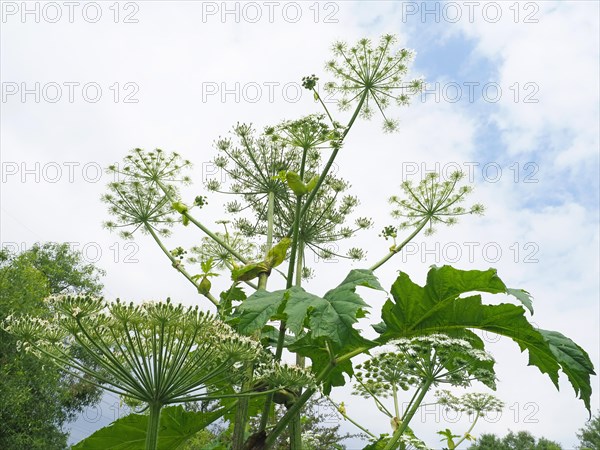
433,202
153,352
372,76
471,402
141,196
435,357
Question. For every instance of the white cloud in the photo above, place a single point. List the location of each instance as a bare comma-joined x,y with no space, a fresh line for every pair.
558,56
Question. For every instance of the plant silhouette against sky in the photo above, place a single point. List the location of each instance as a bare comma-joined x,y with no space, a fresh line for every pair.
286,202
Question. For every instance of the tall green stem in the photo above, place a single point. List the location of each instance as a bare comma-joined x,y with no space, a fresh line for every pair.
288,416
295,257
404,425
398,248
270,218
241,415
241,411
294,232
282,325
468,432
297,406
177,264
396,407
296,433
153,423
296,425
300,360
299,264
209,233
327,167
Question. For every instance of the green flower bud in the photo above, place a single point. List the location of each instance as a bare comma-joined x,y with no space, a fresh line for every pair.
204,286
276,254
295,183
249,271
312,183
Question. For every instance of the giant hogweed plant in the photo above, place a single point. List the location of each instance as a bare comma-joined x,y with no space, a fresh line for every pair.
283,202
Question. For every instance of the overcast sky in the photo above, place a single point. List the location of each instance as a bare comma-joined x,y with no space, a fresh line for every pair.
512,99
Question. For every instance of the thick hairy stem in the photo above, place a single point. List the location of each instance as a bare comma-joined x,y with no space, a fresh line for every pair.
297,406
300,360
296,433
392,444
241,415
270,218
153,423
290,279
241,411
295,425
396,406
287,417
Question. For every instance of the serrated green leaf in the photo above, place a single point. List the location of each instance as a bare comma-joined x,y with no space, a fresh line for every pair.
438,308
258,309
316,350
207,265
226,299
331,317
233,293
297,309
129,433
523,296
574,361
335,318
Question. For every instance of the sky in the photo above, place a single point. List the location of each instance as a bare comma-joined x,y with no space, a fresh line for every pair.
511,98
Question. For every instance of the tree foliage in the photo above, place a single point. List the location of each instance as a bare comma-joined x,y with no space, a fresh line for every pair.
589,435
522,440
36,399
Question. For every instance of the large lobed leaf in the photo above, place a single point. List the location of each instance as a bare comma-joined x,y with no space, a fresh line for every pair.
331,317
129,433
320,355
438,307
330,321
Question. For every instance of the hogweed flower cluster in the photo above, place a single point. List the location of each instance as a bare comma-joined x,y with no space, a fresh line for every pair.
142,195
309,132
470,402
256,167
373,77
289,376
437,358
221,257
432,202
153,352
